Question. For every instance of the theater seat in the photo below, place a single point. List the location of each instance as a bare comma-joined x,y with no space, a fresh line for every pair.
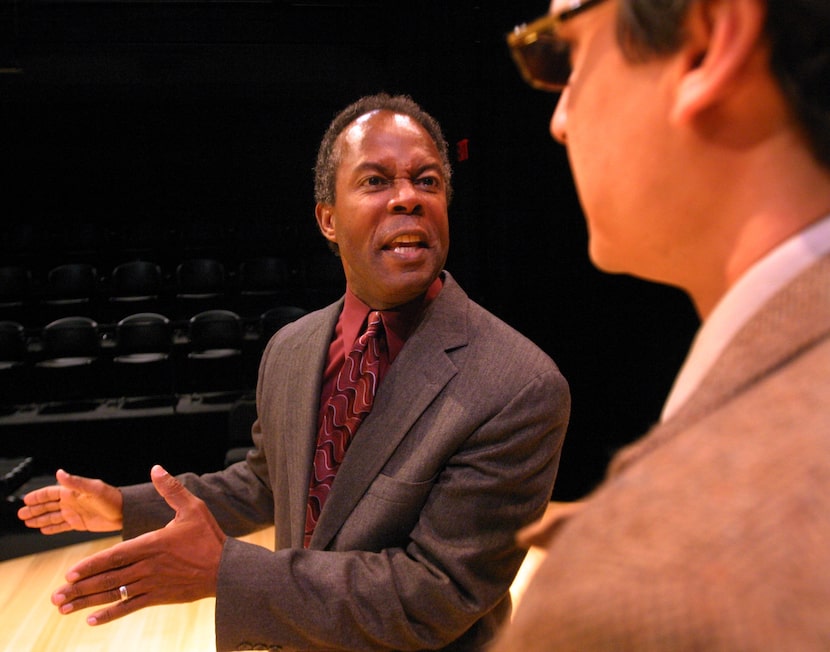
71,289
12,344
15,293
262,284
68,366
214,359
142,369
200,286
240,419
13,365
135,286
275,318
14,473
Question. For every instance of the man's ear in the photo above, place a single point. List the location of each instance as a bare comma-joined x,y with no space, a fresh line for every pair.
325,220
721,36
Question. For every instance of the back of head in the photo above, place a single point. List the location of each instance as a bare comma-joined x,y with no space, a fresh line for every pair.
798,32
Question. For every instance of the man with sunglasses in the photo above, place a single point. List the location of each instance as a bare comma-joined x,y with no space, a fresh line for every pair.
698,132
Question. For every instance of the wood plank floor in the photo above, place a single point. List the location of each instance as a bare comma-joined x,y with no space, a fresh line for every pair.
30,623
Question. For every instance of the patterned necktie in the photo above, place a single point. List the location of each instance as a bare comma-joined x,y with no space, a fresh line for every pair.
349,403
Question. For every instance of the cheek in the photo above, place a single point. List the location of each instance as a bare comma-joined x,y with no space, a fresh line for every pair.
603,180
592,164
443,228
351,227
437,217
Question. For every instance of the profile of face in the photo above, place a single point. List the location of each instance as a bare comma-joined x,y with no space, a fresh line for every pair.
613,118
389,218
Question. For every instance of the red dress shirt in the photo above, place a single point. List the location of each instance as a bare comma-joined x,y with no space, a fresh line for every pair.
398,323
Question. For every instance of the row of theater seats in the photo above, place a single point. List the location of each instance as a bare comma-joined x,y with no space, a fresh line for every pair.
144,359
192,286
164,238
130,342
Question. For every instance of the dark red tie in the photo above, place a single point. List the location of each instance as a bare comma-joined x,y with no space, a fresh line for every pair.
349,403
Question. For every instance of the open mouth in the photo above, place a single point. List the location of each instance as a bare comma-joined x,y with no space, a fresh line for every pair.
406,243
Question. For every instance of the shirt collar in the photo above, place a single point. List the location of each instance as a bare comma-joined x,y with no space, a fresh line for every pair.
742,301
398,322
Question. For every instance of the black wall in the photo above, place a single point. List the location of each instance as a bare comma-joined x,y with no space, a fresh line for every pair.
143,115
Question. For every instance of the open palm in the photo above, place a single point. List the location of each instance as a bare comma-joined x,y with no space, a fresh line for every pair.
75,503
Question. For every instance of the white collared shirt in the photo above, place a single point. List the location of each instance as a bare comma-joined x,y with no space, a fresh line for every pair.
742,301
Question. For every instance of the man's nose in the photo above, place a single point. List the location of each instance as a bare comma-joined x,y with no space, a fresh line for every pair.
559,119
404,196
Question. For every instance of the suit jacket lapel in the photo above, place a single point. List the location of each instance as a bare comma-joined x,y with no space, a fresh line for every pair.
767,340
300,418
418,375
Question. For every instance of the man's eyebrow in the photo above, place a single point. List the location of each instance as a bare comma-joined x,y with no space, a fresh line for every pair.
431,166
373,166
377,166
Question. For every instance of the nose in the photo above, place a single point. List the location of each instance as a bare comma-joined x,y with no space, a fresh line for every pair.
559,119
404,197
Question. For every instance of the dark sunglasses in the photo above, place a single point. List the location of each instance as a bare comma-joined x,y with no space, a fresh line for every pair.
542,57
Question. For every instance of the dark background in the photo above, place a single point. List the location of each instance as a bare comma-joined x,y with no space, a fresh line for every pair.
146,119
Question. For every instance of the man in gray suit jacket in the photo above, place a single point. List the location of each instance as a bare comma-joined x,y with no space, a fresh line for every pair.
415,545
713,531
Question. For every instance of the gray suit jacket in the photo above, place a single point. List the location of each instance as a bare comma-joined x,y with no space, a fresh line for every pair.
713,531
415,546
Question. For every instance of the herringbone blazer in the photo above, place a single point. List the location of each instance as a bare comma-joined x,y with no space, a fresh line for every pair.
415,547
711,533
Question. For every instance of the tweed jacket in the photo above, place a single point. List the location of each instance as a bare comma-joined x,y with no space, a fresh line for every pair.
415,547
713,531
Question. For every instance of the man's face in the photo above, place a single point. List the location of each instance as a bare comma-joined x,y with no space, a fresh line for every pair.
613,117
389,218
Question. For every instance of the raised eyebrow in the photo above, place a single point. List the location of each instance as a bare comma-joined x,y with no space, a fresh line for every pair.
386,171
430,167
372,166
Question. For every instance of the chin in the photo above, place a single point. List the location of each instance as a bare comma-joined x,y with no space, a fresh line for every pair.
408,288
610,257
602,261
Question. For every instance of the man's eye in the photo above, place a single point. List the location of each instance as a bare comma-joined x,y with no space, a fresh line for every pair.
428,182
375,181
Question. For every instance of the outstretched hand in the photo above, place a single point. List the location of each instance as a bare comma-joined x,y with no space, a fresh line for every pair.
178,563
75,503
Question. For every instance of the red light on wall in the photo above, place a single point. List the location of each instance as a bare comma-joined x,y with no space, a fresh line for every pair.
462,149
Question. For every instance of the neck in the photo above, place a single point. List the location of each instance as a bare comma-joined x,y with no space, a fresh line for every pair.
764,197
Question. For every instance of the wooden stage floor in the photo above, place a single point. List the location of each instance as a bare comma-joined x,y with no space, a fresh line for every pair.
30,623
